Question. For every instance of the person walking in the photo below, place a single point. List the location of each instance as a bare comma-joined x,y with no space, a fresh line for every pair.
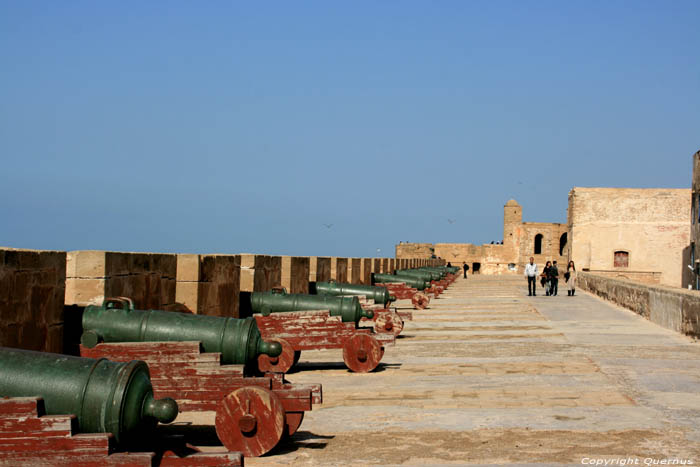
465,266
531,274
545,278
571,280
554,279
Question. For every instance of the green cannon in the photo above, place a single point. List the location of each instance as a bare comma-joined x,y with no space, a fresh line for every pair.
410,281
238,340
425,275
452,269
104,396
441,274
278,300
378,294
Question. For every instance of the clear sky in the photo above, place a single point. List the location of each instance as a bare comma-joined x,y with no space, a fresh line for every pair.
241,126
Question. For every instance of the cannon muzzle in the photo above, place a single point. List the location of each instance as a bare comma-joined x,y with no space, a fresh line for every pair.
104,396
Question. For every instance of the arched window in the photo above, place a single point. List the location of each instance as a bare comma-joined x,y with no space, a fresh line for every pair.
538,244
562,243
621,259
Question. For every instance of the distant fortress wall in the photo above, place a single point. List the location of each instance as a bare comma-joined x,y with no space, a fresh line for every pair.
543,241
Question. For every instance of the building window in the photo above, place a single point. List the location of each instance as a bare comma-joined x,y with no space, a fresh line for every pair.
622,259
538,244
562,243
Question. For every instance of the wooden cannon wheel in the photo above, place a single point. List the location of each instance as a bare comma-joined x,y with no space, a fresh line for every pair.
362,353
389,323
420,301
250,420
294,420
280,364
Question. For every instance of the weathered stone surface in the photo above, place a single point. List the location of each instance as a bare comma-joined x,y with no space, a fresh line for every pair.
339,269
32,289
490,376
366,267
319,269
650,225
673,308
147,278
355,270
295,274
259,273
692,254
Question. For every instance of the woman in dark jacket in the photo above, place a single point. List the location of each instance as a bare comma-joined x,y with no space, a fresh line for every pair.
545,277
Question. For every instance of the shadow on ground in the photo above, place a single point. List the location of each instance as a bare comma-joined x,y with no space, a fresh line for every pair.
311,366
300,440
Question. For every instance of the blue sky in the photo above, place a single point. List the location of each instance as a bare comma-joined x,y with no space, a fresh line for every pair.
245,126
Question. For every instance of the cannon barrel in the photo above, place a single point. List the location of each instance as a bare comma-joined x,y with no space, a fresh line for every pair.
425,275
238,340
411,281
442,273
277,301
104,396
378,294
444,269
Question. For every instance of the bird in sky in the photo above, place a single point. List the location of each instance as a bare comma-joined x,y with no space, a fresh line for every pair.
328,226
451,221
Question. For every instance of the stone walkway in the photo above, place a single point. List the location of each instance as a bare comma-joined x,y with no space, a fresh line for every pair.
489,375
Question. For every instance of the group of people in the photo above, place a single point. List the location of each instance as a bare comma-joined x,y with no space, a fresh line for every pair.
549,279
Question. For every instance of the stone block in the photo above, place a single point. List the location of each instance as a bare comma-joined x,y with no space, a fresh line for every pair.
366,277
323,269
187,294
355,274
84,292
300,275
86,264
313,266
341,269
188,268
295,274
259,273
219,286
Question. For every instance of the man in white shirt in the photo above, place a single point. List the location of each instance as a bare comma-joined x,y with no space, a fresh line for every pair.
531,274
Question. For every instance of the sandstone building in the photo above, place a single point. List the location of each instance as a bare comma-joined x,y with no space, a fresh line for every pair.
695,223
543,241
640,234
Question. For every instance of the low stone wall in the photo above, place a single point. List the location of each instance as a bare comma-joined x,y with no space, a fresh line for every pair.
43,293
32,286
209,284
147,278
643,277
676,309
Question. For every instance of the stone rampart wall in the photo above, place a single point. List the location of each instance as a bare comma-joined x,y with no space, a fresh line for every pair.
672,308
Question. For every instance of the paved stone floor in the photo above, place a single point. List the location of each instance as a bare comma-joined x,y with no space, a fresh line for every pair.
489,375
